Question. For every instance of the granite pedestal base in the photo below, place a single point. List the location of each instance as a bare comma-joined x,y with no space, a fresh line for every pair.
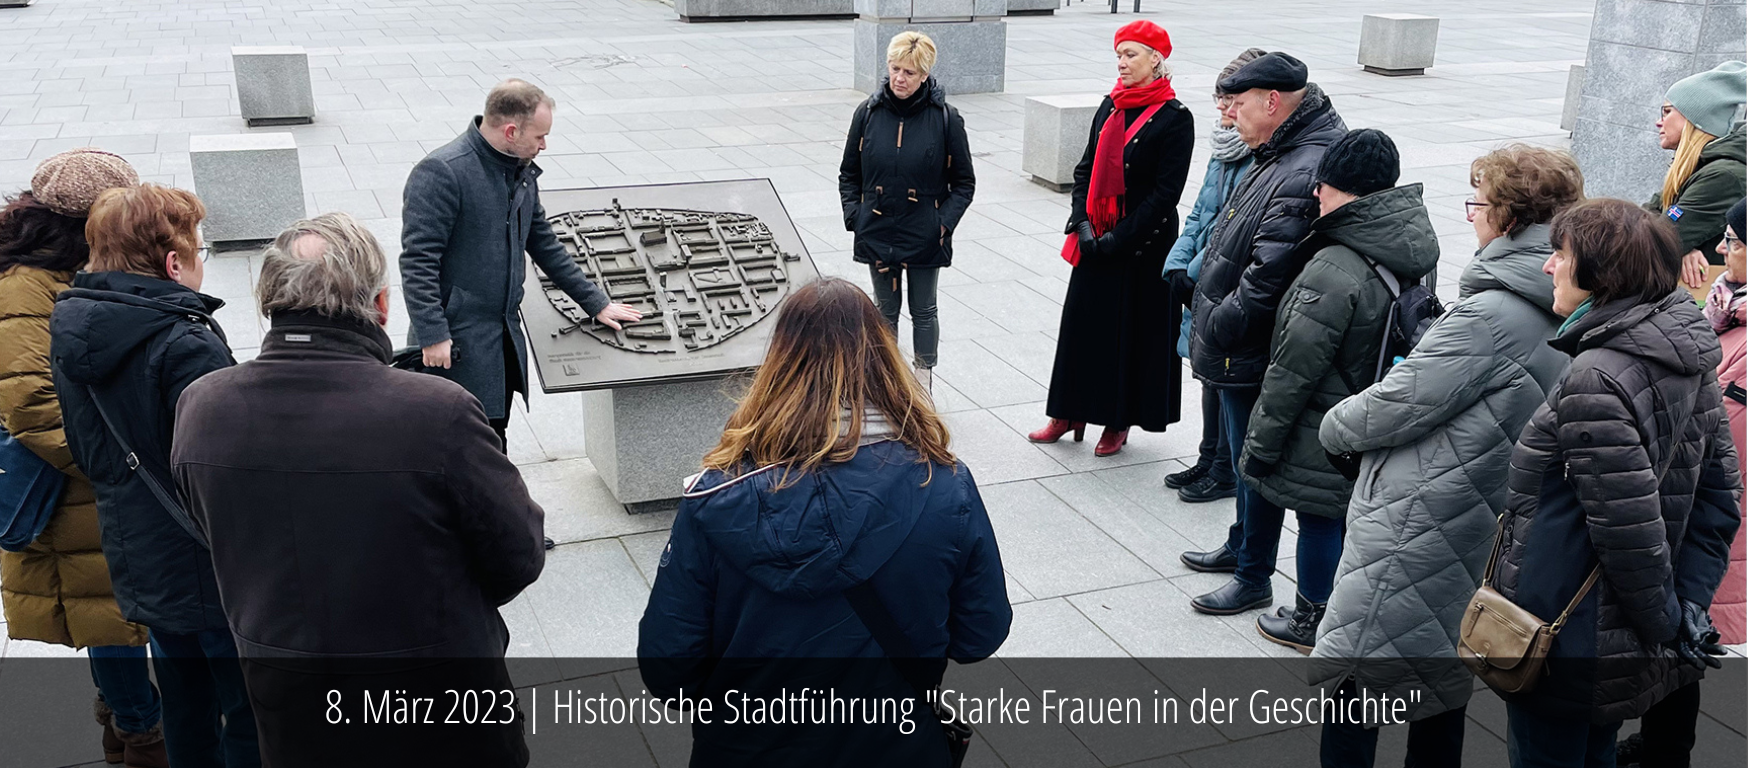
971,37
1033,7
273,85
1397,44
646,440
757,10
251,184
1055,138
1574,93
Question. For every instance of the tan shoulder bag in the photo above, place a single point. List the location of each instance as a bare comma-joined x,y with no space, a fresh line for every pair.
1503,644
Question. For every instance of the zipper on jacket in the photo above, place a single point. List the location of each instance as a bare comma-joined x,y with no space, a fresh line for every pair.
901,134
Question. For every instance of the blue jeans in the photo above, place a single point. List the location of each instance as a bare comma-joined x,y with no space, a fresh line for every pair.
1536,740
207,719
1255,537
124,680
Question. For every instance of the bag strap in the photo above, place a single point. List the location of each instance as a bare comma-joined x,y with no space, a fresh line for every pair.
1554,629
891,638
170,504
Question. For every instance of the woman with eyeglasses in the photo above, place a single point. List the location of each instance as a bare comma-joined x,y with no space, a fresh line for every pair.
126,340
1709,169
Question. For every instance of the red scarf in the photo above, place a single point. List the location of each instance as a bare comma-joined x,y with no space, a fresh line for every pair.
1104,195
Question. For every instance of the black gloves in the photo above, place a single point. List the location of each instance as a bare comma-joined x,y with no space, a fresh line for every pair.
1183,289
1256,467
1696,640
1089,243
1347,463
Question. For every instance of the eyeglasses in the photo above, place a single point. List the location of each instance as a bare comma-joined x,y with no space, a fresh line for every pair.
1223,100
1731,241
204,253
1470,207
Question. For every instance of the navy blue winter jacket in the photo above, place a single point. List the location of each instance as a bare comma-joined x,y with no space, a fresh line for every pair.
751,572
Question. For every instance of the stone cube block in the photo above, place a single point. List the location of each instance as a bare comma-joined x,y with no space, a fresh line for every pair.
972,55
645,440
942,10
1397,44
752,10
1574,93
1033,7
251,184
1056,132
273,85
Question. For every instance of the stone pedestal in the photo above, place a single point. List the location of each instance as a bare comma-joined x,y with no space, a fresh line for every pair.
755,10
251,184
273,85
1033,7
971,38
1638,48
1056,133
1574,91
1396,44
646,440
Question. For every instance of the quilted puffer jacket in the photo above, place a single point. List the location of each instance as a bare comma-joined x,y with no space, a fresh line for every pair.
1629,468
1326,342
1436,435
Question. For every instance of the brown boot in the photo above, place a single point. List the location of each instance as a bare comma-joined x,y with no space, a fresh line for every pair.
112,746
145,750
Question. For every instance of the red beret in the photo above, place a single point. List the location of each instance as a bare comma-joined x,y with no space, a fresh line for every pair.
1146,33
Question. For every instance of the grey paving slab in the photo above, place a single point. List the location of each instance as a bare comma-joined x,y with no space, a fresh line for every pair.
578,505
989,448
1153,619
1051,550
588,601
1055,628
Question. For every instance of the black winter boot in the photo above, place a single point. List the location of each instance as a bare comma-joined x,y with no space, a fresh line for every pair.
1298,631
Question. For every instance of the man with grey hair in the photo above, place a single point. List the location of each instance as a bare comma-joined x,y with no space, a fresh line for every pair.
355,512
470,210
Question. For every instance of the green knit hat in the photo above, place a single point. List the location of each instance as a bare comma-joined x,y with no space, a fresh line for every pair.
1709,99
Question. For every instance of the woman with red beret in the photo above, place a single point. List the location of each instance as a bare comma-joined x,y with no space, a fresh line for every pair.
1116,359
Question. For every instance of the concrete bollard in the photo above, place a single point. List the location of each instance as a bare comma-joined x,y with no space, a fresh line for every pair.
1397,44
1055,137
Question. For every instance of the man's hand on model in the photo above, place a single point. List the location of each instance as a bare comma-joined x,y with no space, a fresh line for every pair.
615,314
437,355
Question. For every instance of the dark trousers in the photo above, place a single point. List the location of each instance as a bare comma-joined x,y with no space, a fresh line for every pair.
1434,742
1534,739
512,382
1256,536
1213,452
207,719
925,330
1667,729
124,680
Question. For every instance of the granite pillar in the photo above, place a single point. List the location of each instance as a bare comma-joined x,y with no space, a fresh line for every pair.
646,440
1638,48
970,36
757,10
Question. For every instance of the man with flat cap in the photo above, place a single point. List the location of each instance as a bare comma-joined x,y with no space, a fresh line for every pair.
1251,259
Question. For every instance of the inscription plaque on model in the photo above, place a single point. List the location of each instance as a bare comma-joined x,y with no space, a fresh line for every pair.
698,277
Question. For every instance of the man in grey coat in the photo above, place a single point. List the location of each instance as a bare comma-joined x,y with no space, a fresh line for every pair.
470,210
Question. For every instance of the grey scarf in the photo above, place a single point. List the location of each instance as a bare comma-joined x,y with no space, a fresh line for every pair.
1228,148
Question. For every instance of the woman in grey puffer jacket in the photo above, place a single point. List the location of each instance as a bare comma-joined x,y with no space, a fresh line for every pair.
1437,433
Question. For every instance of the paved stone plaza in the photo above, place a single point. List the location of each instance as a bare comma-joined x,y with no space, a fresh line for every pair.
1090,545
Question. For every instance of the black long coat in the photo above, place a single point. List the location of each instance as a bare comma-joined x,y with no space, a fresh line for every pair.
138,342
905,176
1116,353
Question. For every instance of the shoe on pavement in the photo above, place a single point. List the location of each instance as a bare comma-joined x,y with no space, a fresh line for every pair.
1234,598
1178,480
1221,560
1297,630
547,542
1205,490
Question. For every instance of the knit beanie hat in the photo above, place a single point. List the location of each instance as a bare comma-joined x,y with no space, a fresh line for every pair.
1735,217
70,182
1709,99
1360,163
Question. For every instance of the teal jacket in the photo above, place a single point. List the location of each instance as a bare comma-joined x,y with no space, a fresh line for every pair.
1186,254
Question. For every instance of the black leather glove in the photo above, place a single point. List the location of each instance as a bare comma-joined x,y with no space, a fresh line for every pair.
1256,467
1089,243
1183,289
1696,640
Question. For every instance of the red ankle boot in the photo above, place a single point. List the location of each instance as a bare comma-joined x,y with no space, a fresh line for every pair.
1111,441
1056,429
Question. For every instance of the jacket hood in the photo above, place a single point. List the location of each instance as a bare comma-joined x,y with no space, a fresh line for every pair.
1313,123
1390,227
1670,332
828,531
1513,263
932,94
105,316
1730,146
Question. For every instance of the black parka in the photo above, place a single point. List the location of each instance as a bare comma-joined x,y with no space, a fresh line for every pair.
138,342
1254,252
906,174
1630,465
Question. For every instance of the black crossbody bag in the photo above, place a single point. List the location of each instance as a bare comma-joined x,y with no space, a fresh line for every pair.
914,670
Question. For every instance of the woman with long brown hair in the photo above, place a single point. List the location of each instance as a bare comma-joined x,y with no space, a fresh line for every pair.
831,505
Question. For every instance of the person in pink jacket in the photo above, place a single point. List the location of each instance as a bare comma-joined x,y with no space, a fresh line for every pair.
1725,308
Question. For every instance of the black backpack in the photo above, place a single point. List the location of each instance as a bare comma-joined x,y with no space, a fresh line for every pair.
1413,308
